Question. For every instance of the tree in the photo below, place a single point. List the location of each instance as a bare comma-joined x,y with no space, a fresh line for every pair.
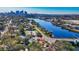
21,28
35,46
18,47
62,46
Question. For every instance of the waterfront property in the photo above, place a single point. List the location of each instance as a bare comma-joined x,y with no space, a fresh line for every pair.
24,31
58,32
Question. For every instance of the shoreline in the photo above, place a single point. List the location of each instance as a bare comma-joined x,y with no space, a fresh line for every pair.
67,28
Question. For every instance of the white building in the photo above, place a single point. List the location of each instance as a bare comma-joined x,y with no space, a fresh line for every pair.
72,21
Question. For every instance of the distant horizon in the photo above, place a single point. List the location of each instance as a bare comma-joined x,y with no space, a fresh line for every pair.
43,10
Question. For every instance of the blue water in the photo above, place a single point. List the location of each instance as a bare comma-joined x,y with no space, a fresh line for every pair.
58,32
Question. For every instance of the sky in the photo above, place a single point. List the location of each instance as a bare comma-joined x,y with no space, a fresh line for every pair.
43,10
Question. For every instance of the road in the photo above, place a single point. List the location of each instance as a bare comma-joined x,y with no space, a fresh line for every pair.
44,36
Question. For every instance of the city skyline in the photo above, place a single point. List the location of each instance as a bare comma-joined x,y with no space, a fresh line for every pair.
43,10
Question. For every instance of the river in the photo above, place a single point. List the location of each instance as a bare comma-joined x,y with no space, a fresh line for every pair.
58,32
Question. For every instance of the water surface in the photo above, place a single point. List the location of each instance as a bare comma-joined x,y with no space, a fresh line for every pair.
58,32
